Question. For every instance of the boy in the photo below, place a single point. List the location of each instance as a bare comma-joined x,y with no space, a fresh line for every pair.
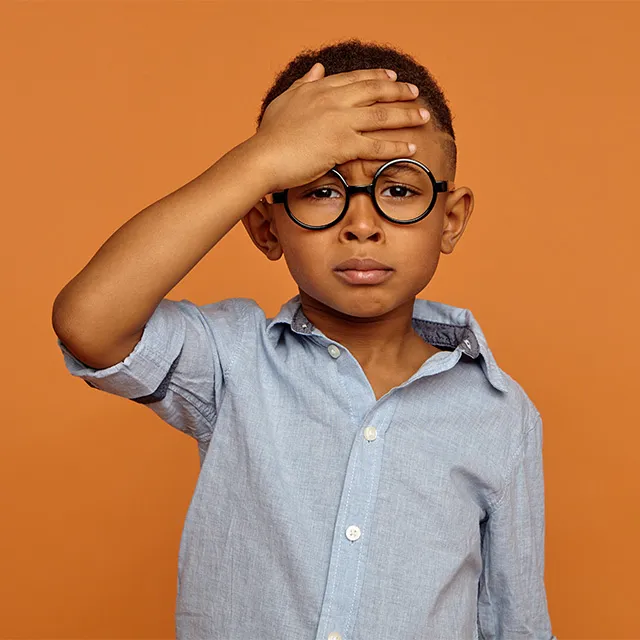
367,470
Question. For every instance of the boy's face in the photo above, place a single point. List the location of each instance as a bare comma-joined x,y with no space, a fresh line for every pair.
411,250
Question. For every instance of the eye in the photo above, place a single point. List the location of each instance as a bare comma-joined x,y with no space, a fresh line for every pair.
400,191
323,190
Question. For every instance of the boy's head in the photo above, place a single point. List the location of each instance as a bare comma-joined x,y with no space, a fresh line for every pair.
411,250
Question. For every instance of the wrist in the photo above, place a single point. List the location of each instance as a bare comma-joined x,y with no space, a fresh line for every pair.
259,161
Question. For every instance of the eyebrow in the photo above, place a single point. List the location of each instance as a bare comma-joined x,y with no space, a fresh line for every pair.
411,168
394,169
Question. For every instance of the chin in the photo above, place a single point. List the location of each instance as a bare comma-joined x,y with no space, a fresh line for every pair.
362,302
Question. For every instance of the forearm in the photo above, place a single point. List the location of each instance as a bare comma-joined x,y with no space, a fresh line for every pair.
118,290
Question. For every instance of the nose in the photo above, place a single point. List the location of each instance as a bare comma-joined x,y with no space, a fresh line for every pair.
362,220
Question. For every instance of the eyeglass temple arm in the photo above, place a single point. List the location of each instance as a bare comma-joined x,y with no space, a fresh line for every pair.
443,186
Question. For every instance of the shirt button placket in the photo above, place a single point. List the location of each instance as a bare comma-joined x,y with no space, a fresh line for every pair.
363,484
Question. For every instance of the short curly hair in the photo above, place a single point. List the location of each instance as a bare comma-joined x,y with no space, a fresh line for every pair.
352,54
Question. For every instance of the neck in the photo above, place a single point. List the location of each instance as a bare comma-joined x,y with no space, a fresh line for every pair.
386,338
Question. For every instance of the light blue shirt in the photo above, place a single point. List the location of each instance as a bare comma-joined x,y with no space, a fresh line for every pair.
323,513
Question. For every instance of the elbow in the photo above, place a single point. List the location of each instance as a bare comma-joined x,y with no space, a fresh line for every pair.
93,343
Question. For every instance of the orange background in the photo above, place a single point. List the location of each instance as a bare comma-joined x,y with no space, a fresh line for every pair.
113,105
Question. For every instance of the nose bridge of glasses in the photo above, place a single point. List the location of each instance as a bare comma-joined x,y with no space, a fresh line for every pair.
352,189
350,208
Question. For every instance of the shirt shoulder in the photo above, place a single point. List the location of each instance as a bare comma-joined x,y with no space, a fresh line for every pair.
521,403
230,321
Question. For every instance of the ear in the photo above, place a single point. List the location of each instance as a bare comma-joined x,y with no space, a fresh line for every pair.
458,209
260,226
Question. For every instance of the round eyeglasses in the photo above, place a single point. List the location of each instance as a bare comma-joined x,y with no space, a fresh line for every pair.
403,191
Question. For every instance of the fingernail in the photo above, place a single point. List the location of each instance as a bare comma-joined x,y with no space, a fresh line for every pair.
414,89
392,74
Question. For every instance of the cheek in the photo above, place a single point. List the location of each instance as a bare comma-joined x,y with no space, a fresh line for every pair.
418,243
421,259
305,252
303,248
417,259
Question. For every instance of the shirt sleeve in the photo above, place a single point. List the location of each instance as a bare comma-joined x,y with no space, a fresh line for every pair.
512,601
179,365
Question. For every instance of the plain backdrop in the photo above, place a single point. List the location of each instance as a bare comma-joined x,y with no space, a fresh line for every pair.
109,106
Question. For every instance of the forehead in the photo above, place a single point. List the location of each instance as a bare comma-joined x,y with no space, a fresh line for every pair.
426,138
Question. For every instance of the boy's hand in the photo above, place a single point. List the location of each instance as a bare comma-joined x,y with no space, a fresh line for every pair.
318,121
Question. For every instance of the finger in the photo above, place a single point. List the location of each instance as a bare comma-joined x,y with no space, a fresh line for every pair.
367,92
371,148
382,116
349,77
315,73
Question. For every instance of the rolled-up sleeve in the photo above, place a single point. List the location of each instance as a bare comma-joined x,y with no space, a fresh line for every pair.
178,366
512,601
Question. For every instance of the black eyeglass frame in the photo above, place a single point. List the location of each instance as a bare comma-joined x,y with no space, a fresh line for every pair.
439,186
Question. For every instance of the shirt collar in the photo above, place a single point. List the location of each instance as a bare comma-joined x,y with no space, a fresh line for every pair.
440,324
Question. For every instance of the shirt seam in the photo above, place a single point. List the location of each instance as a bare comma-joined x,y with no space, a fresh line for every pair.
226,371
511,471
232,360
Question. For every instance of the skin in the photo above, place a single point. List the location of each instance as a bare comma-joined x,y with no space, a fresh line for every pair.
374,322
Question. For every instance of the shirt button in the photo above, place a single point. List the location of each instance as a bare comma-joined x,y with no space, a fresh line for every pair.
370,433
353,532
335,636
334,352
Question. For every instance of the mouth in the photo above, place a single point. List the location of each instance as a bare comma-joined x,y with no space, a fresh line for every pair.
362,264
364,276
363,271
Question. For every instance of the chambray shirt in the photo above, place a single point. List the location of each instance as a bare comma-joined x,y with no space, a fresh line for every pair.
322,513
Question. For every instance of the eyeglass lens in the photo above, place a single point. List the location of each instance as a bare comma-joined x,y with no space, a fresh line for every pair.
403,191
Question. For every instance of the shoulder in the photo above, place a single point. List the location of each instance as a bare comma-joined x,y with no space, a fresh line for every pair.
231,308
217,327
506,414
232,316
521,404
522,423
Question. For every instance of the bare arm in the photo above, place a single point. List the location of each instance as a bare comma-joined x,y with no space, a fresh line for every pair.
101,313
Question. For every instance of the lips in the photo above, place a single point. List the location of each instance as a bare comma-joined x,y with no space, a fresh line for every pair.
363,271
362,264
